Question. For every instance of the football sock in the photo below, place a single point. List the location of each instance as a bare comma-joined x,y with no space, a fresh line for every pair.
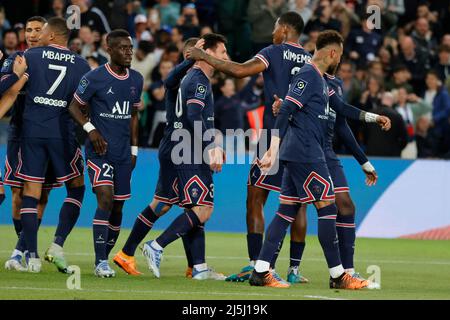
275,256
197,244
115,221
68,216
29,221
179,227
17,226
296,253
345,227
187,249
100,233
143,224
254,245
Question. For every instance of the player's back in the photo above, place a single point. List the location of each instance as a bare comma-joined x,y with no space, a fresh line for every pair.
54,73
282,62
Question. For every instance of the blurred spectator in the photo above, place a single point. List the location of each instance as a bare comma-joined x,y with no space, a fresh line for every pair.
411,107
10,42
154,22
400,78
87,38
442,66
376,69
102,52
386,143
20,29
424,141
227,109
424,38
396,6
157,92
388,17
76,45
323,19
205,30
93,62
345,13
363,43
188,22
144,61
351,87
177,38
301,7
310,45
58,9
169,12
92,17
370,98
4,23
262,15
140,29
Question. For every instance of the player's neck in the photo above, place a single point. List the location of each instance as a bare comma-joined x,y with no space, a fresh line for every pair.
59,42
119,70
206,68
292,39
319,64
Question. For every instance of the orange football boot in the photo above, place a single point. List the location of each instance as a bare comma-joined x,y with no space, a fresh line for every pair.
126,263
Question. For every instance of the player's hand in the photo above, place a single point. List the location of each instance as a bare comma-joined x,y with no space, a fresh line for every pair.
1,55
133,162
195,54
371,178
267,161
384,123
20,66
98,142
200,43
216,159
276,106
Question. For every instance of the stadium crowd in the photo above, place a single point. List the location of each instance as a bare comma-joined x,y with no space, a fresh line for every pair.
401,69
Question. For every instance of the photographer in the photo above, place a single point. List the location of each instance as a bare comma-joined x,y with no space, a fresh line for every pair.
188,22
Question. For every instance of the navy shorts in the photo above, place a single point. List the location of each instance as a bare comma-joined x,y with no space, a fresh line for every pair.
337,175
51,161
196,187
106,173
310,182
269,182
167,185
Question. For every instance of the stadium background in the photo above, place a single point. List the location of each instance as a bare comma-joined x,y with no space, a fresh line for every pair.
414,39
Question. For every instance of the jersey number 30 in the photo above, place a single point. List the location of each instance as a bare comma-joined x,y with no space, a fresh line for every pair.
62,73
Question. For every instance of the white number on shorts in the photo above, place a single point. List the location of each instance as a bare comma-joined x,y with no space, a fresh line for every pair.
62,73
178,105
211,193
108,170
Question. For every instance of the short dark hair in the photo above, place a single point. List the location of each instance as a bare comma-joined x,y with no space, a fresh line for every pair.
222,81
10,31
38,19
434,73
59,25
146,46
190,43
116,34
443,48
399,68
328,37
294,20
171,48
212,40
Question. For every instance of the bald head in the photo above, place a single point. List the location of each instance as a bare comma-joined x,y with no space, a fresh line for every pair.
407,46
422,26
387,99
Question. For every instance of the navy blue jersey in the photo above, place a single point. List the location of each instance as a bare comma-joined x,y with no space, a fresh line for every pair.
282,62
172,84
337,122
8,79
111,99
307,105
194,109
54,73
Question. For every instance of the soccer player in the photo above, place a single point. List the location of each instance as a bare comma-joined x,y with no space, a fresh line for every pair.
305,170
278,63
194,119
166,194
11,81
112,94
48,138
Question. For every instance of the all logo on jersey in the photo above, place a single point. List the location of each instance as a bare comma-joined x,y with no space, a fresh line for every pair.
299,87
84,83
124,109
201,91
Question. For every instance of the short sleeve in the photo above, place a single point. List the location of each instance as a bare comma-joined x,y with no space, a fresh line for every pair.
138,91
265,55
86,89
196,94
302,88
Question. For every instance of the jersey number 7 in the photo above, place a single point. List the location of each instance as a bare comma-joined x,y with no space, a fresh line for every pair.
62,73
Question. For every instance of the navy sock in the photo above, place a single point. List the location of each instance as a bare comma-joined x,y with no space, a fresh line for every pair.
254,245
277,230
68,216
2,198
345,227
115,221
296,253
21,244
100,231
277,253
17,226
179,227
327,235
197,244
187,249
143,224
29,219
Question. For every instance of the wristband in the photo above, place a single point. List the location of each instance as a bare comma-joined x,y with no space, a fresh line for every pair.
134,150
88,127
370,117
368,167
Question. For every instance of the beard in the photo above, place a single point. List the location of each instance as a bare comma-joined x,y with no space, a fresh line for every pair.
332,69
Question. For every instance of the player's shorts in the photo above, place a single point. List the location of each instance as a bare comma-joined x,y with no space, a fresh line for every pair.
269,182
310,182
167,185
338,177
105,173
36,155
196,187
11,164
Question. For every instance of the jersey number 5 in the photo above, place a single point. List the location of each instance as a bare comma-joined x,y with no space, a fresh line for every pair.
62,73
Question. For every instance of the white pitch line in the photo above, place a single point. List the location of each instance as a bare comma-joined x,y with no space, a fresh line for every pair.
171,292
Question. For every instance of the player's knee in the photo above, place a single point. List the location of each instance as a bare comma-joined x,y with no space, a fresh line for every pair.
75,182
105,203
203,213
346,206
16,202
160,208
44,198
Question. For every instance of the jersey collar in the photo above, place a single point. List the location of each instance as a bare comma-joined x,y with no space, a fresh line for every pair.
315,67
329,76
297,45
115,75
58,46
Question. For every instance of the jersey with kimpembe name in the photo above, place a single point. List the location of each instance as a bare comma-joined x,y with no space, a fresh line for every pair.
111,99
195,109
307,100
282,62
54,73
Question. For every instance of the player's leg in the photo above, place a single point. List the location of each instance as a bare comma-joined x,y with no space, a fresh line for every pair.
18,254
115,222
345,226
298,235
2,190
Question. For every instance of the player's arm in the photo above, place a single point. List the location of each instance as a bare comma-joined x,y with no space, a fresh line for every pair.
176,75
234,69
9,76
134,128
346,135
10,96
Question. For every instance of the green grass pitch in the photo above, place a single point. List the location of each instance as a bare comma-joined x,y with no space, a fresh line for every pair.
410,269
